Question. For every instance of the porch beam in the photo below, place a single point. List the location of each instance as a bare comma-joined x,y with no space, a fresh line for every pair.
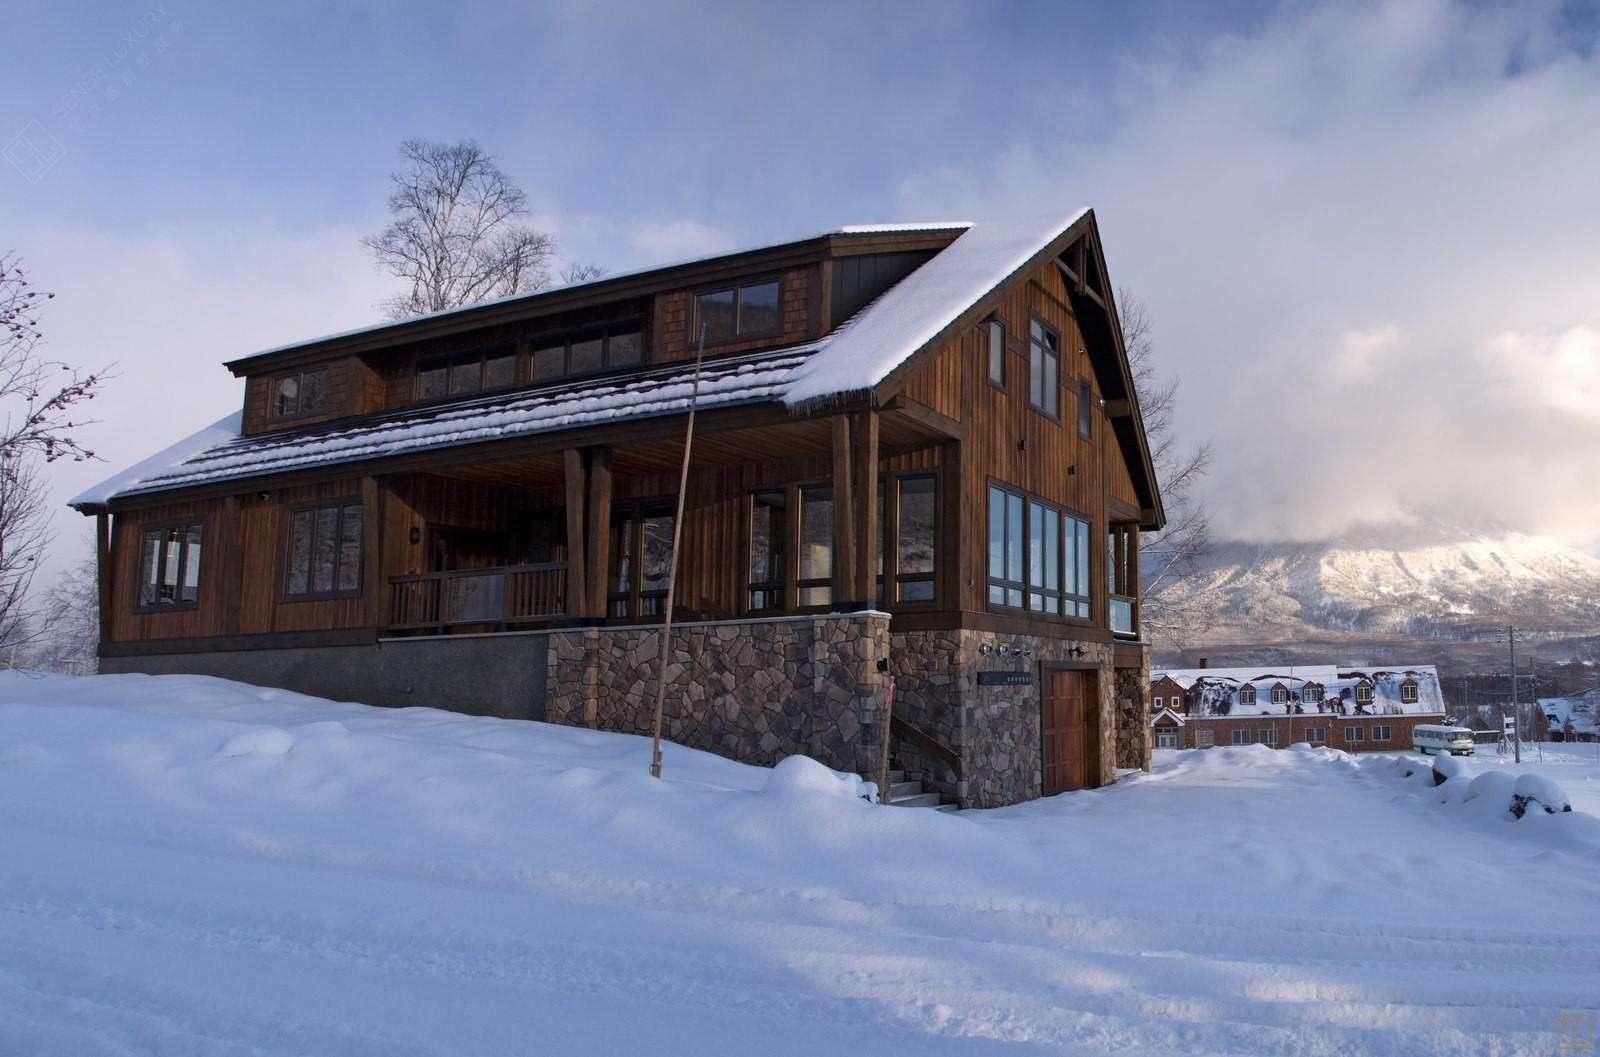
867,530
843,523
597,560
576,489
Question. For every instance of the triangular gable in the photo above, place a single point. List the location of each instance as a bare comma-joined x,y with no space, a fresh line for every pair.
1168,713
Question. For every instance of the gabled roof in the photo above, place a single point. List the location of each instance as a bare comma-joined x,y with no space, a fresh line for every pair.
1216,690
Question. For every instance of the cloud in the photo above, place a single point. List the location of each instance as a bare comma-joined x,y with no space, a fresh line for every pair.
1365,235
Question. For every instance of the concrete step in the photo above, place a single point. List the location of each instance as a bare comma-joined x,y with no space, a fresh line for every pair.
896,776
916,800
948,809
900,789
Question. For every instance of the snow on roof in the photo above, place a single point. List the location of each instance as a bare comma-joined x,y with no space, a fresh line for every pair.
915,310
1580,712
1216,690
221,454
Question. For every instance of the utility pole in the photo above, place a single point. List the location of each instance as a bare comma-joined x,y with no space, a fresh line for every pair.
1516,712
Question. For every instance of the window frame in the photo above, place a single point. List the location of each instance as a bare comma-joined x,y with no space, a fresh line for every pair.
182,525
449,360
1267,736
1355,735
738,287
1166,738
780,585
890,537
1280,695
300,411
1386,728
1363,688
1242,736
997,357
1307,690
813,583
1052,415
1085,409
1316,735
310,595
1250,700
1071,568
1205,739
535,343
634,596
1408,693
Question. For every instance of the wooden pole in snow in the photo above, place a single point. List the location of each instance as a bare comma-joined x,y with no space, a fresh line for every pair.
672,562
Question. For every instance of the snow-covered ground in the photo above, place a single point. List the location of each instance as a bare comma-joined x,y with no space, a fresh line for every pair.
189,866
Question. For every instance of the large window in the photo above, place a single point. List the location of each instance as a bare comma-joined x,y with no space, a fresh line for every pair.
1267,735
169,566
769,536
814,582
1166,738
996,333
324,551
1038,556
748,311
1242,737
301,393
1353,735
1044,369
464,375
1316,735
916,546
641,558
587,352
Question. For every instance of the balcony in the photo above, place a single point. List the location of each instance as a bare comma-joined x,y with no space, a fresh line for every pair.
1125,616
504,596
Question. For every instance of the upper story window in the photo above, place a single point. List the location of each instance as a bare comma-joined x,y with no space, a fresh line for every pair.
587,352
1408,693
473,372
1280,696
1247,695
1312,694
748,311
1085,409
996,333
324,551
1038,556
1044,368
301,393
169,566
1364,694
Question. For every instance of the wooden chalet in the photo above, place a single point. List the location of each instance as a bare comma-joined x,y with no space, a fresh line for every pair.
918,456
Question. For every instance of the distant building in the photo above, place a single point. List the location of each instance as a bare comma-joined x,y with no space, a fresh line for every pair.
1366,709
1571,718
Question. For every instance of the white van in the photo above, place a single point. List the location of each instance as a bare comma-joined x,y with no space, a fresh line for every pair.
1431,739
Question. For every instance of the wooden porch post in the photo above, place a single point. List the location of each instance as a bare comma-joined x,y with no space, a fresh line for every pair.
599,534
867,529
843,522
232,564
373,586
577,581
102,535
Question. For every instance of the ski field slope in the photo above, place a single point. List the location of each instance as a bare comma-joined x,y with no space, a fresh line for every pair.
192,866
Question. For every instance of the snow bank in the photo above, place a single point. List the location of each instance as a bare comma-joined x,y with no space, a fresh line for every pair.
801,777
1535,790
1446,767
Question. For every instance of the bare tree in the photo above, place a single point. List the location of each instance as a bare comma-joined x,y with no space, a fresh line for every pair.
38,398
1171,606
68,622
456,233
581,273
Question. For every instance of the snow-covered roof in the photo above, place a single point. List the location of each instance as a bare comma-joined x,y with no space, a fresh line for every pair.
1580,712
1214,692
918,308
219,453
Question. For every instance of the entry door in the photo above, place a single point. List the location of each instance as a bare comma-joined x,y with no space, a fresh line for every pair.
1066,732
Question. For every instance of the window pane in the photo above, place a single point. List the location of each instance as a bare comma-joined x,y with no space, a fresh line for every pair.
816,596
549,362
1085,411
325,550
150,569
171,563
1052,386
1014,530
466,377
286,400
300,553
916,591
500,371
816,533
1036,519
191,564
350,549
624,349
1052,551
916,525
586,355
767,531
997,536
997,352
622,555
1035,375
758,308
1083,561
314,390
716,315
433,382
657,553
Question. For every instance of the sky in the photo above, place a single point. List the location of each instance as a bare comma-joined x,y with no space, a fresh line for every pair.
1367,235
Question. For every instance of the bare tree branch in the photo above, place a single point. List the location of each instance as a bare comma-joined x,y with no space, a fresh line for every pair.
456,235
576,272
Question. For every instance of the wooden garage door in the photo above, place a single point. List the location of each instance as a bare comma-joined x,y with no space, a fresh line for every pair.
1066,731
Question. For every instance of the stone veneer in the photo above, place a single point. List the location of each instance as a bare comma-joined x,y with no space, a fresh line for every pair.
1134,737
754,690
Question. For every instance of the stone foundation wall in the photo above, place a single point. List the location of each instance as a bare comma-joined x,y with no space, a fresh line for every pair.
1134,738
753,690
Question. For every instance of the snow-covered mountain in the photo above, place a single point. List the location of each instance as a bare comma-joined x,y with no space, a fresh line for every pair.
1435,581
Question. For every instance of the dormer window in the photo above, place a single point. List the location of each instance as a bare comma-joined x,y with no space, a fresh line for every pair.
1280,696
1408,693
749,311
587,352
465,375
301,393
1312,694
1364,694
1247,695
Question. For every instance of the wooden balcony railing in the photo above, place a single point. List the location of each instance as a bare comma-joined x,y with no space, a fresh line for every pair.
504,595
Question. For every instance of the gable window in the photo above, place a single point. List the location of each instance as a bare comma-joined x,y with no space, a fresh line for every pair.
1364,694
587,352
1085,409
814,583
1247,695
1408,693
1280,696
301,393
464,375
769,532
747,311
169,566
641,554
996,332
916,549
1044,368
324,551
1312,694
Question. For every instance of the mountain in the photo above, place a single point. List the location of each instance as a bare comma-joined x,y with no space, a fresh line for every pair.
1433,581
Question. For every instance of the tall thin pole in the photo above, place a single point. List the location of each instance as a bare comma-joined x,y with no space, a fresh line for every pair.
1516,710
672,562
